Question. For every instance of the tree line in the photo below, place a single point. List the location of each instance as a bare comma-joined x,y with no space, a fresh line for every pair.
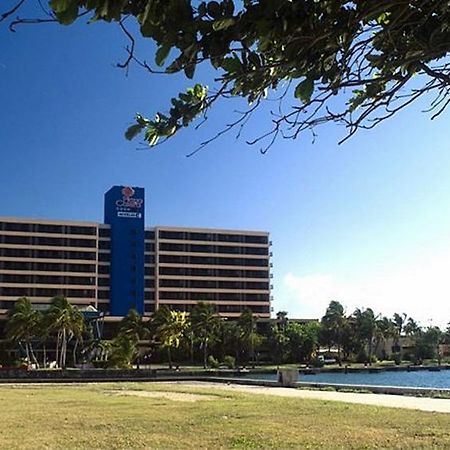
60,337
361,335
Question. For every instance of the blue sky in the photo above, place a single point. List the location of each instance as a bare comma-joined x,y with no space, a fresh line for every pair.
366,223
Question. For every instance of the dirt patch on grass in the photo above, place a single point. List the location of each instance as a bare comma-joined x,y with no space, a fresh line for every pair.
388,400
176,396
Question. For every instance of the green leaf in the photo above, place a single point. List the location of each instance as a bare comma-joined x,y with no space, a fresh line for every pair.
189,70
141,120
133,131
169,131
162,54
59,5
200,91
304,90
202,11
231,64
229,7
91,4
383,18
151,136
223,24
148,29
184,97
176,66
66,11
214,9
254,59
357,100
377,60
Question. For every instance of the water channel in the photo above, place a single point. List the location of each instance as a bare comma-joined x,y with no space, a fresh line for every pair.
417,378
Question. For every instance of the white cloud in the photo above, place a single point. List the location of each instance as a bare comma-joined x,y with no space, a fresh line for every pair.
420,289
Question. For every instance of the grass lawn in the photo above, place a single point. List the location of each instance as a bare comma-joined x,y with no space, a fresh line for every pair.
150,415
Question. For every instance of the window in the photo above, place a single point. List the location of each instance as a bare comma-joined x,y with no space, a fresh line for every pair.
149,235
104,232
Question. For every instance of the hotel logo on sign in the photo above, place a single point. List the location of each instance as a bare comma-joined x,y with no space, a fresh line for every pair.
127,206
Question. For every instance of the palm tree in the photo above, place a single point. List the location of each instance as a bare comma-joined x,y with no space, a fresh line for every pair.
169,327
133,327
67,322
122,351
282,320
447,334
399,322
278,344
248,335
366,325
333,324
99,350
411,327
414,331
384,330
205,325
231,338
23,325
433,337
44,333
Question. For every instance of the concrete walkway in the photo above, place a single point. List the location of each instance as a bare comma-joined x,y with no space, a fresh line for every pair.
391,401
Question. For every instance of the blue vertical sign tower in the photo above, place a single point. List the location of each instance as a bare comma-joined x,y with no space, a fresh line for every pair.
124,212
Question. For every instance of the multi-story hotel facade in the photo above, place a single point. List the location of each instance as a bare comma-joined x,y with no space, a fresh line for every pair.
120,264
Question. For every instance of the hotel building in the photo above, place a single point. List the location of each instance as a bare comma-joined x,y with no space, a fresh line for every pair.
120,264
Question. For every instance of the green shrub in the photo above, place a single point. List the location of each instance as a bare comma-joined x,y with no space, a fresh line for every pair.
100,364
20,363
123,352
212,362
5,357
408,356
387,363
229,361
316,362
397,357
362,357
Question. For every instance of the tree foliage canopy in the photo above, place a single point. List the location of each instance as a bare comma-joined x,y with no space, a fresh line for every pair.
307,50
